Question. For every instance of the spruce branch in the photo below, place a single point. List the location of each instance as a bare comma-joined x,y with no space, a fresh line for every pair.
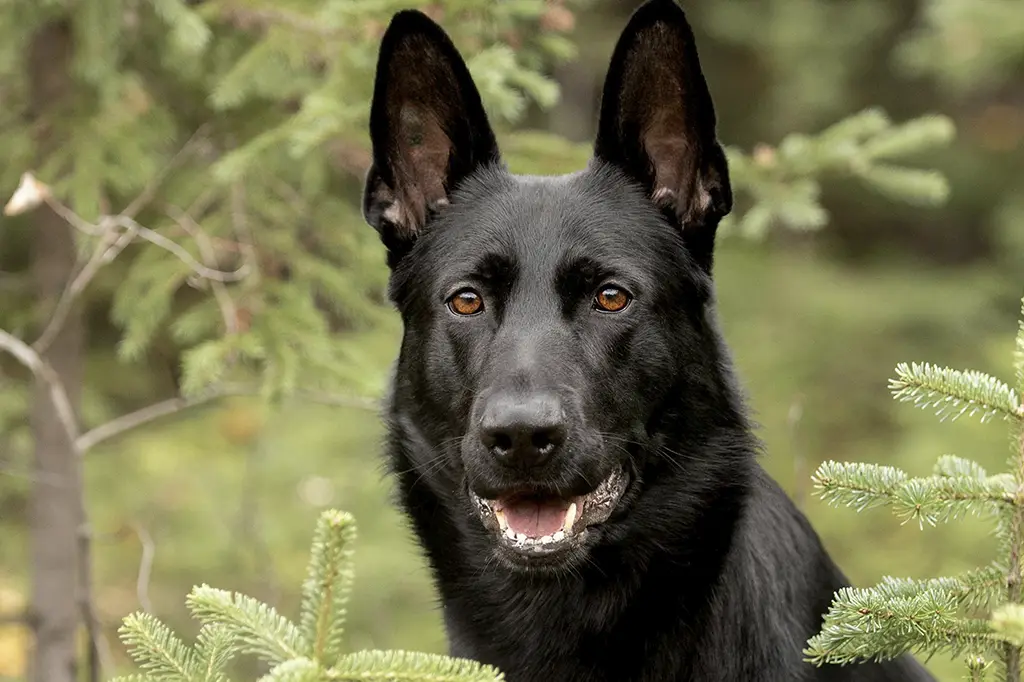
328,584
954,392
782,184
928,616
929,500
1008,623
235,624
888,620
295,670
157,650
407,666
213,652
260,629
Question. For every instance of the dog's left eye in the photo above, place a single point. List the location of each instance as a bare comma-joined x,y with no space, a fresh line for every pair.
466,302
612,299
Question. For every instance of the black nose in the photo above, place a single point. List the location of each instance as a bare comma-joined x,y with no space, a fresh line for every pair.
523,432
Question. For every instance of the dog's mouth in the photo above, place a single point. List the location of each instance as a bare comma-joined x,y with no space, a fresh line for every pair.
540,524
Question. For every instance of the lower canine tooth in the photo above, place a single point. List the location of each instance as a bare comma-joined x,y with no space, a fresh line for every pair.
509,533
559,536
520,538
570,518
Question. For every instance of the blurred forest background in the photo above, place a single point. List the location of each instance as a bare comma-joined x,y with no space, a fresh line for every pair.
237,129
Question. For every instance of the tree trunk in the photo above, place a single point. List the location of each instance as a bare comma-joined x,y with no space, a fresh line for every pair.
56,503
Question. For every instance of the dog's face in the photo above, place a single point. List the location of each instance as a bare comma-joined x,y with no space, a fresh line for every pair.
547,320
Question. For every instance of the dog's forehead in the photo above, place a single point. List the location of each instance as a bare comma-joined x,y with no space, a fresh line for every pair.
541,222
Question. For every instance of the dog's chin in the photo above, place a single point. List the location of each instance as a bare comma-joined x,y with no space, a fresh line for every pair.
537,531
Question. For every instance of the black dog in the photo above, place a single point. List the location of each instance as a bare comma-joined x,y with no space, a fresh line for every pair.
568,436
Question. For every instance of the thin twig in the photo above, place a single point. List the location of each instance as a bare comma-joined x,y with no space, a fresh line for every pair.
183,255
32,361
106,250
116,233
132,420
145,566
228,309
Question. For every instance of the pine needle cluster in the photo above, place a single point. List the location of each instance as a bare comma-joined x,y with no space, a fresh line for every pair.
309,650
978,615
782,185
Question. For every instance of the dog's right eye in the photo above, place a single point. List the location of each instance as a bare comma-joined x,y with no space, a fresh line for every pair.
466,302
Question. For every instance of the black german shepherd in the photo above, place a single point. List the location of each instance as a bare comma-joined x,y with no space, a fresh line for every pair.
569,439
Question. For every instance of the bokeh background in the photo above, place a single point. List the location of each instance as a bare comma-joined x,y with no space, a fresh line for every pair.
97,98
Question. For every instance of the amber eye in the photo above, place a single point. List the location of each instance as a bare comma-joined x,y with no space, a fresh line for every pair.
465,302
611,299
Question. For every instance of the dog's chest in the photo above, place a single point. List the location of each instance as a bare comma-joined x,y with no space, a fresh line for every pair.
567,642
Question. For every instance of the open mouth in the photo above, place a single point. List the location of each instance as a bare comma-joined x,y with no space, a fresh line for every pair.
536,524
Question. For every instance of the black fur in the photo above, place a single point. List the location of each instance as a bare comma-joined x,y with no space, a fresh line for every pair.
705,570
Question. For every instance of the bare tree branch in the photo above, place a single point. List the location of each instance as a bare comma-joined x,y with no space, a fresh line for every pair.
28,357
106,250
228,309
132,420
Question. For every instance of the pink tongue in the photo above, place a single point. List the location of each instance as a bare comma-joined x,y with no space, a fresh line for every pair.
535,518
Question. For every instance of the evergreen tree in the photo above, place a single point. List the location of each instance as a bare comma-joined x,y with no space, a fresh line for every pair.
978,615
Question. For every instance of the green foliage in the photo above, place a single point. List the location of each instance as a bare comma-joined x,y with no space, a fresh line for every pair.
954,393
243,127
234,624
978,615
966,45
783,185
812,78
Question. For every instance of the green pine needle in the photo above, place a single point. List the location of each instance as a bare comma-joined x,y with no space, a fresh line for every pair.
234,624
953,393
214,646
295,670
328,584
1008,623
930,500
886,621
406,666
157,650
260,629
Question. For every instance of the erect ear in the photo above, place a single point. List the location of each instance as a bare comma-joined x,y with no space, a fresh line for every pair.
657,123
428,128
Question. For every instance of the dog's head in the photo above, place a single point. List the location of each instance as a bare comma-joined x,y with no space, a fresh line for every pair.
556,328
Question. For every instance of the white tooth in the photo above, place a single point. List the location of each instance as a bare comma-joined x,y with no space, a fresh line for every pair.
545,540
520,538
559,536
510,534
500,515
570,518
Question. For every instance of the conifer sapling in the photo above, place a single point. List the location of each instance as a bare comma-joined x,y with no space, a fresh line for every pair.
978,615
309,651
